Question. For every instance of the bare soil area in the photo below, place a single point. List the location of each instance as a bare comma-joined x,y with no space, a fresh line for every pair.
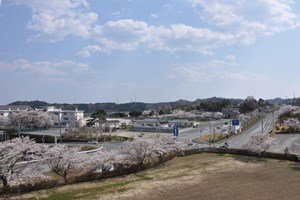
201,176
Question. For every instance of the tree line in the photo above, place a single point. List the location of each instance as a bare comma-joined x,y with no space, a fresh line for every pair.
22,160
135,108
29,119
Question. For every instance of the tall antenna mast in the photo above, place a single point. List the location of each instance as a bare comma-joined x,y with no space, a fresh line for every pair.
294,94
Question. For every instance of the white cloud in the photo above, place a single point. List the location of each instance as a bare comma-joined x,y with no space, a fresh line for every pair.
54,20
45,68
235,76
122,34
230,60
193,74
116,13
129,34
248,19
168,8
229,22
88,50
154,16
207,73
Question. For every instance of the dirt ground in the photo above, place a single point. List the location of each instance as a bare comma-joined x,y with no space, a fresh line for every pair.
201,176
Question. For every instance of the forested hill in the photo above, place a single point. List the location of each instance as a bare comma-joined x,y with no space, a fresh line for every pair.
209,104
87,107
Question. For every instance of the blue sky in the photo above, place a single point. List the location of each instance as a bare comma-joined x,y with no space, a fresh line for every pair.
86,51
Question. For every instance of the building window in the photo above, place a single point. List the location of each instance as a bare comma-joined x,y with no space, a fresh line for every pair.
66,118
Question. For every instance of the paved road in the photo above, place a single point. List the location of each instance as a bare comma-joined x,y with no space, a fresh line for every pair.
186,135
260,128
292,141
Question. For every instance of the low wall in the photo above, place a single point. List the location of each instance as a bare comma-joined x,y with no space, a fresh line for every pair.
245,152
89,176
130,169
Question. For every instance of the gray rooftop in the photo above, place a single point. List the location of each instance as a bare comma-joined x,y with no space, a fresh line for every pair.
15,107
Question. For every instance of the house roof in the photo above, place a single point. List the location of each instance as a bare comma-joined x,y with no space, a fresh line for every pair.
113,121
180,120
150,120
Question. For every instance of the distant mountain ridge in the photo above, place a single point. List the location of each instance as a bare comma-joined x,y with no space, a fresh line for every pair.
279,101
127,107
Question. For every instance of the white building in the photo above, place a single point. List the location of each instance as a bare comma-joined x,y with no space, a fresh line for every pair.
122,121
112,124
68,117
150,123
182,123
7,110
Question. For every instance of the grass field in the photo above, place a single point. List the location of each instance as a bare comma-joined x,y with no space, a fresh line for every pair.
201,176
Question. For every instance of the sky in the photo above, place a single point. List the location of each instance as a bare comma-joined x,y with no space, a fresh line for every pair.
87,51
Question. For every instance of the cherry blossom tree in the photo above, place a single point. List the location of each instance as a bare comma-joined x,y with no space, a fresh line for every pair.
108,160
142,151
33,119
15,165
169,145
63,160
293,124
260,143
4,121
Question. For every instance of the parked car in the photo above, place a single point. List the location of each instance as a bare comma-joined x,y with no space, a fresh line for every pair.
92,142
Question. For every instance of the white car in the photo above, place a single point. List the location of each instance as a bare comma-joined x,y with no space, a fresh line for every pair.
92,142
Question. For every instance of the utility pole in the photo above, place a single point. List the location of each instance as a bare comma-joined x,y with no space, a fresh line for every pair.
273,123
200,134
214,136
19,129
209,139
55,139
60,134
97,135
262,126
